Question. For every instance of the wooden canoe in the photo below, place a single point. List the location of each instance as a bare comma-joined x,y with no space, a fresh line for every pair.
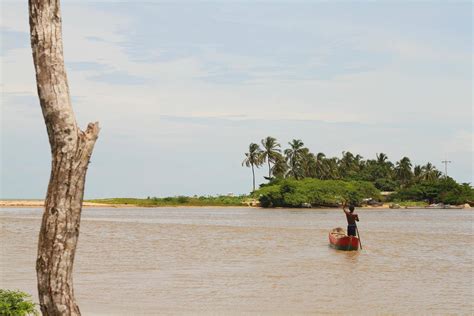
338,239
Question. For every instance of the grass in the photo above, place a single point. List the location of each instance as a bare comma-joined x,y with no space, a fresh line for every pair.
176,201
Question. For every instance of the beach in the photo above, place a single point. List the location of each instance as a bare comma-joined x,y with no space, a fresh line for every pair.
40,203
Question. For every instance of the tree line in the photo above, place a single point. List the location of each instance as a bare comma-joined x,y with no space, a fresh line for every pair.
298,162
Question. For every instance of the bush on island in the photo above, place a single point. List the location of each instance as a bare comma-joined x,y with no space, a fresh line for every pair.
296,193
445,191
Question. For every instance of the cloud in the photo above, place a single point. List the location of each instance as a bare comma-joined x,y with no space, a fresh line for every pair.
174,84
119,78
95,39
87,66
12,40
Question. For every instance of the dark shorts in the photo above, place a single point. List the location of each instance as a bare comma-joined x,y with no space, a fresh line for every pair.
351,230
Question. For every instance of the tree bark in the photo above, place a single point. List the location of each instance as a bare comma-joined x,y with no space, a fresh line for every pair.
71,149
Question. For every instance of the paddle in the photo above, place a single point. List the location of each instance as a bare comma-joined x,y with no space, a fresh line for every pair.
358,235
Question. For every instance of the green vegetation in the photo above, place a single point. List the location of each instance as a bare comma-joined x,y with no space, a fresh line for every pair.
419,183
254,158
177,201
297,193
445,191
16,303
270,153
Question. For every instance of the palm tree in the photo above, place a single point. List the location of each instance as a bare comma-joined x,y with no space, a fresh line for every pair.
321,166
270,152
381,158
294,157
359,162
308,164
349,165
331,168
384,167
253,158
403,170
430,173
417,171
280,167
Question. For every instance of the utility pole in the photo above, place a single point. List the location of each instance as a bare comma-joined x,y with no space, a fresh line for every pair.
446,167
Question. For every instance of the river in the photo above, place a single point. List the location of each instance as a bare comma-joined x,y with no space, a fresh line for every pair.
134,261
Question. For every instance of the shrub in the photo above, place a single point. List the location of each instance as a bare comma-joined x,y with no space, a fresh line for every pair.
16,303
294,193
386,184
270,196
182,199
445,191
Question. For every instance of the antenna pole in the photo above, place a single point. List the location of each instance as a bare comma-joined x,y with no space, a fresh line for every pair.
446,167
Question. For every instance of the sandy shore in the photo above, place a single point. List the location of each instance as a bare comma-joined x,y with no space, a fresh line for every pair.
40,203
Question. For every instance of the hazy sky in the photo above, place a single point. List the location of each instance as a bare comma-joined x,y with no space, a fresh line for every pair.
181,89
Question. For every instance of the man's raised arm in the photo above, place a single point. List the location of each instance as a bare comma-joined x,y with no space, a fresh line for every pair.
344,206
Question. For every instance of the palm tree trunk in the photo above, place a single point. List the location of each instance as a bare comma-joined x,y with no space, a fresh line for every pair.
71,150
269,170
295,172
253,175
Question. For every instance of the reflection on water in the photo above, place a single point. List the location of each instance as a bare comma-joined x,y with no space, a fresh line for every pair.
188,260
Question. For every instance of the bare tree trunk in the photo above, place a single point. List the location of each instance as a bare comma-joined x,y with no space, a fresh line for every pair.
269,170
253,178
71,149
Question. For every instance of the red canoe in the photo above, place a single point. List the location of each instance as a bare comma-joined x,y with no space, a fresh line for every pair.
339,240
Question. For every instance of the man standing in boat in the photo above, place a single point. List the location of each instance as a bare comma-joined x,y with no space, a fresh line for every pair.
352,218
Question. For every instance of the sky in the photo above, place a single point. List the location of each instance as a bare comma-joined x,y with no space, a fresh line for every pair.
182,88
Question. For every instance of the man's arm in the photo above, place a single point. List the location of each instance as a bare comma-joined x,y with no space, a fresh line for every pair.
344,206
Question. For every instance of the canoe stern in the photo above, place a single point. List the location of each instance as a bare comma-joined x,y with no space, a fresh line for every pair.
340,241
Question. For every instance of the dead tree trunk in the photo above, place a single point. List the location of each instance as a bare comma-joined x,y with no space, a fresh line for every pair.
71,149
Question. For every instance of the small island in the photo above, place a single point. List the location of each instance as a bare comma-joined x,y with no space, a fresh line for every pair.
299,178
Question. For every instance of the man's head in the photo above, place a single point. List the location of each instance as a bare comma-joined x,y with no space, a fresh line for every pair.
351,208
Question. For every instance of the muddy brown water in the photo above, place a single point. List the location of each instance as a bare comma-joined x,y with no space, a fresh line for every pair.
255,261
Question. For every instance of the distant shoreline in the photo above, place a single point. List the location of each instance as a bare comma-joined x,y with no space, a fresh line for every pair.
40,203
87,204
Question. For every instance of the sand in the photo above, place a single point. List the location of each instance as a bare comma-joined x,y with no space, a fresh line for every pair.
40,203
